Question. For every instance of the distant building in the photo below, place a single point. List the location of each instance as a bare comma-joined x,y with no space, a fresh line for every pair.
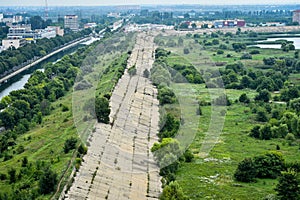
17,18
45,33
229,23
90,25
71,21
8,43
218,24
58,30
20,31
1,17
296,16
273,24
114,15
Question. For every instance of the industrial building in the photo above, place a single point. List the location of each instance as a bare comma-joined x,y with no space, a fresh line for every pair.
229,23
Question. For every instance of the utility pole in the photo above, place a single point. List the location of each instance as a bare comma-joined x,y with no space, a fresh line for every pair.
46,10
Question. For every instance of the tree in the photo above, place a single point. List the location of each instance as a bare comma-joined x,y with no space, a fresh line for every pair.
269,165
265,132
246,171
48,181
172,192
12,175
246,81
246,56
261,115
166,152
295,105
102,109
263,95
255,131
244,98
288,186
146,73
70,144
166,95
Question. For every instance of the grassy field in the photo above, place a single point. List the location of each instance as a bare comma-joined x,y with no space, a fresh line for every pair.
45,142
212,177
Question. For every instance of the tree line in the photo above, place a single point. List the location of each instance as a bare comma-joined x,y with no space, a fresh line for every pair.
161,76
13,59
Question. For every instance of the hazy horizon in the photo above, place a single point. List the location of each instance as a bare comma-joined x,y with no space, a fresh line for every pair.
144,2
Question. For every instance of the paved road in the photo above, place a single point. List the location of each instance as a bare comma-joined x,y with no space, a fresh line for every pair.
40,60
119,164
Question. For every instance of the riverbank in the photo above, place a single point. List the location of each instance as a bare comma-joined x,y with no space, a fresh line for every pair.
74,43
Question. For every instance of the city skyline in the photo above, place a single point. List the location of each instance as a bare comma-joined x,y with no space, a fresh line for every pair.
144,2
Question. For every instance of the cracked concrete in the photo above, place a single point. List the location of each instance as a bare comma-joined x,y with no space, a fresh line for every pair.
119,163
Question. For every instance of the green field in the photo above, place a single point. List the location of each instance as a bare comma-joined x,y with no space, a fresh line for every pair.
44,143
212,177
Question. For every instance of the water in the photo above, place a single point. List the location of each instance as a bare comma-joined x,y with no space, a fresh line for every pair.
295,40
15,86
17,82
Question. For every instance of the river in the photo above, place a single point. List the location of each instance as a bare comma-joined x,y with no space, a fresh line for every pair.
17,82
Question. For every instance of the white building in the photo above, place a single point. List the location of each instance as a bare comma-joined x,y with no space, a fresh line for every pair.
8,43
45,33
71,21
1,17
23,31
17,18
114,15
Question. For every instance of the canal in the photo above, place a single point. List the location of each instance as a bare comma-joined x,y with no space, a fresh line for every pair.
17,82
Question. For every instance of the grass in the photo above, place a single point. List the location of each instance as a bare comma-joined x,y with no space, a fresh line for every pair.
212,178
45,142
233,146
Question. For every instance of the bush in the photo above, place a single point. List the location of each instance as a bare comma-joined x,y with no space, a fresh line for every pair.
132,71
255,51
65,108
220,52
288,186
261,115
188,156
244,98
48,181
186,51
166,95
246,171
172,191
246,56
146,73
269,165
70,144
102,109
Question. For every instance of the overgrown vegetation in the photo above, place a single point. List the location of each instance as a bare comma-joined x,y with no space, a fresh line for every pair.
262,115
168,150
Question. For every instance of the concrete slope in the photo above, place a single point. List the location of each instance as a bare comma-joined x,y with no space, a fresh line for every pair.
119,164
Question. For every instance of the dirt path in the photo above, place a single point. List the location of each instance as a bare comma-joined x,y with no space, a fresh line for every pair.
119,164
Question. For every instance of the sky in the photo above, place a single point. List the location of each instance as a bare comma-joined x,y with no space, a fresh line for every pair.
136,2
